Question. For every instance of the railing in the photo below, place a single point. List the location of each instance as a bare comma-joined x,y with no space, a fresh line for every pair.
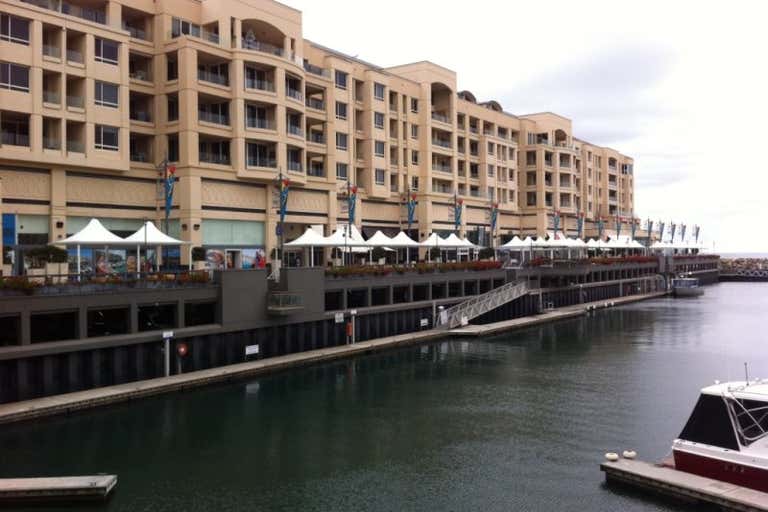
75,101
51,51
214,158
316,70
140,74
260,123
474,175
441,143
141,115
437,116
136,33
566,165
213,117
441,168
51,97
260,162
74,56
316,171
214,78
315,104
15,139
252,44
294,93
295,130
481,304
294,166
441,190
51,143
84,13
75,146
139,157
317,138
262,85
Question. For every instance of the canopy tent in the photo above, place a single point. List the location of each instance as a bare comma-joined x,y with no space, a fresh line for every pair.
149,235
515,244
310,238
454,242
433,240
94,234
403,240
379,239
468,244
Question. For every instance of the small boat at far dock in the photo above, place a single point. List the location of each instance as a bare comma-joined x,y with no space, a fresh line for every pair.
726,436
686,287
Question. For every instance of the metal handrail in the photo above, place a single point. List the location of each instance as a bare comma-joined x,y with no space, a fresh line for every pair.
481,304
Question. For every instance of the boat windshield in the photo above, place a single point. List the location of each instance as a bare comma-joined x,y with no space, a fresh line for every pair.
709,424
751,419
685,283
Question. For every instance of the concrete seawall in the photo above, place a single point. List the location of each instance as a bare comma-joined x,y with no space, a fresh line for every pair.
71,402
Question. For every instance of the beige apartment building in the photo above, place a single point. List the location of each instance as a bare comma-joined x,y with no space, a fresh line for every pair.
96,94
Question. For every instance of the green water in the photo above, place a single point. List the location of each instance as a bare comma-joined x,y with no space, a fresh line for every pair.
514,422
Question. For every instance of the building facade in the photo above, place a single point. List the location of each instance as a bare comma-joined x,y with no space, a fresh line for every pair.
95,95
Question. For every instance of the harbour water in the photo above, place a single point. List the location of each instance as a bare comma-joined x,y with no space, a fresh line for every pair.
514,422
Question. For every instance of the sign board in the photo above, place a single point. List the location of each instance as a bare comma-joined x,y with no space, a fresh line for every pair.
251,350
424,322
167,334
339,317
352,311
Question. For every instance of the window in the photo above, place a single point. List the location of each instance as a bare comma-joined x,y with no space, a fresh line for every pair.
14,77
380,176
414,105
414,131
341,141
341,110
490,193
378,91
13,29
379,148
491,170
106,50
106,137
414,183
341,171
173,107
171,67
531,199
415,157
106,94
378,120
341,79
173,147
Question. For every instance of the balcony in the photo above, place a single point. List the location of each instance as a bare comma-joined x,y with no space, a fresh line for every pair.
214,158
436,166
316,70
294,93
256,161
316,170
441,117
95,15
315,103
213,117
443,143
315,137
295,166
50,50
214,78
258,46
260,123
294,129
75,101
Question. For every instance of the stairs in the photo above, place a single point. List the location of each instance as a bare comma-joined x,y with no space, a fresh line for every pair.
481,304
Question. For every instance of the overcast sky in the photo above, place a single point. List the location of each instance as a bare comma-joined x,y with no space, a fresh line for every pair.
680,86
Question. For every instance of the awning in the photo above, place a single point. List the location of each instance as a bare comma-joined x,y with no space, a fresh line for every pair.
310,238
93,234
148,234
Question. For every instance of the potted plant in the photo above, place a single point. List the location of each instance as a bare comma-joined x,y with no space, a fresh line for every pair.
379,254
486,253
198,258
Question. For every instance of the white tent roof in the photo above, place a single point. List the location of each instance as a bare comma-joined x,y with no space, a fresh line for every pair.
310,238
433,241
94,233
469,244
454,241
379,239
515,243
149,234
403,240
344,236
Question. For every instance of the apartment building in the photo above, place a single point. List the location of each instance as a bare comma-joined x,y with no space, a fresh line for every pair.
96,94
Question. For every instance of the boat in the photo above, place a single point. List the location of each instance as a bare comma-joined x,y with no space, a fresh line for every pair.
726,436
686,287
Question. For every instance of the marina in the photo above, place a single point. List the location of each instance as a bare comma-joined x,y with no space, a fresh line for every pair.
71,488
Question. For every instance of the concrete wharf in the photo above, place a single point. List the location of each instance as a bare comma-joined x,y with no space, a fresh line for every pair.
17,490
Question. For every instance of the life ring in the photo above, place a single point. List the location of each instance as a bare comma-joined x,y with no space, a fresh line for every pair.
611,456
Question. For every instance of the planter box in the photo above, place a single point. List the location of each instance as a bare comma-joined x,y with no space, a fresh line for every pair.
7,270
58,271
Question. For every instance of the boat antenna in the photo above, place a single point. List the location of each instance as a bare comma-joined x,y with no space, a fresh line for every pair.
746,373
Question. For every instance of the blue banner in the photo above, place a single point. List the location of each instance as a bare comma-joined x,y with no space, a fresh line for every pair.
682,232
411,209
580,224
457,204
633,227
600,228
351,202
674,228
649,229
284,188
494,217
696,233
618,226
169,182
556,222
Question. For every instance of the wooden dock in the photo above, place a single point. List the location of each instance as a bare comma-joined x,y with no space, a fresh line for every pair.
686,486
64,488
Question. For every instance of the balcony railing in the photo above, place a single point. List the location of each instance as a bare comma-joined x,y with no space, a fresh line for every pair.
317,138
214,158
50,50
258,161
74,56
318,172
252,44
295,130
213,117
441,167
139,156
75,146
315,104
262,85
15,139
51,97
84,13
140,74
141,115
294,166
294,93
136,33
51,143
442,143
259,123
437,116
75,101
316,70
214,78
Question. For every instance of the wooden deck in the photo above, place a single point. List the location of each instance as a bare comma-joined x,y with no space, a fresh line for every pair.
671,482
56,488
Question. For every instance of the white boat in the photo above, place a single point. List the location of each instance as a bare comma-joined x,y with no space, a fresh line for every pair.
686,287
726,436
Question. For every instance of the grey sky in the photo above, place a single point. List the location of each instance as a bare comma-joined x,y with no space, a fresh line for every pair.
680,86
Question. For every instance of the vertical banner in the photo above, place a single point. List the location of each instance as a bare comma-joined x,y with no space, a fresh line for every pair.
649,229
661,230
682,232
633,227
600,228
169,180
556,222
494,219
411,210
284,188
618,226
696,233
351,201
457,206
580,224
674,228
